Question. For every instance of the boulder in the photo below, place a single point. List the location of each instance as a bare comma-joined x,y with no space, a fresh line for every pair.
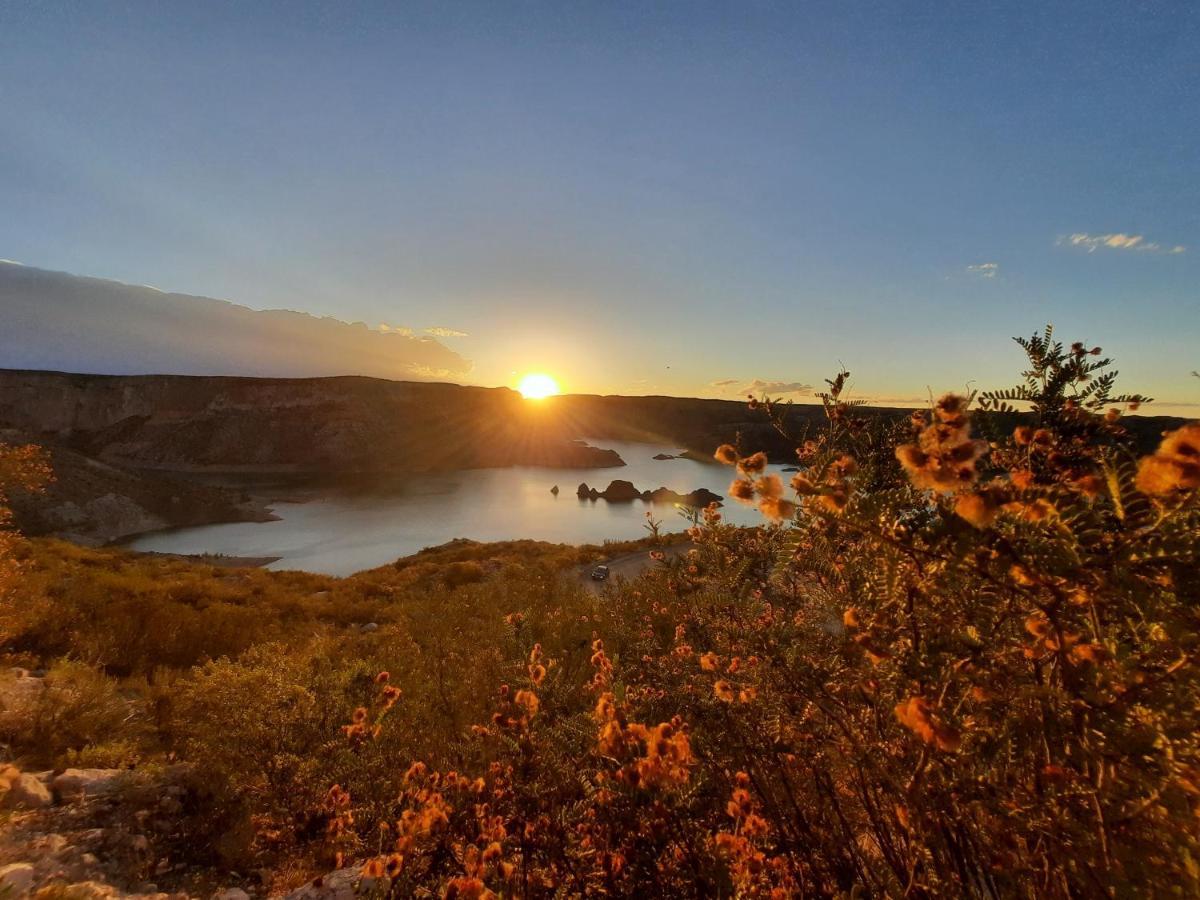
583,492
16,879
339,885
75,784
621,492
697,499
554,490
27,791
662,456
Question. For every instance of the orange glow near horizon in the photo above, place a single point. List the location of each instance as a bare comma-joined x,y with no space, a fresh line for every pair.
537,386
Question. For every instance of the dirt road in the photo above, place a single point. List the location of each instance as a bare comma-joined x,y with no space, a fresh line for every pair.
627,566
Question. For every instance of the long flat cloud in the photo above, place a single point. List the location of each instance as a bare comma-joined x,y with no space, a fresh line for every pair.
52,320
1117,241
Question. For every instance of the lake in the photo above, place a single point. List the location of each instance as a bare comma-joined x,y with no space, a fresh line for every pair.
346,532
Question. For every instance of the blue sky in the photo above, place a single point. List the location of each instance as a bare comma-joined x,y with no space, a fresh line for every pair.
633,199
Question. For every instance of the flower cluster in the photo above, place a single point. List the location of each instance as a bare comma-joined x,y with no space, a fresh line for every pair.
945,455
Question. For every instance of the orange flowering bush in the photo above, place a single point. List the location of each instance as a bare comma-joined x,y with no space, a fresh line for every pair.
958,659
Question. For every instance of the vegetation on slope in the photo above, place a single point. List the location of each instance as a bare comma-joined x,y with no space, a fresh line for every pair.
948,664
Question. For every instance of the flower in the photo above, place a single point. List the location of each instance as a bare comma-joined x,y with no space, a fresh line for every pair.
726,454
741,490
1175,466
754,464
917,715
944,456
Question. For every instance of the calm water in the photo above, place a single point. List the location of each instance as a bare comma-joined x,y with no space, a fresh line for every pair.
346,533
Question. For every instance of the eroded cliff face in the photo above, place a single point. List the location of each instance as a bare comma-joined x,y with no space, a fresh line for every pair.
129,451
319,425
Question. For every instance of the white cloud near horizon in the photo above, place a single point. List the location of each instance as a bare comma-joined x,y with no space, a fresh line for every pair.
758,386
1116,241
439,331
984,270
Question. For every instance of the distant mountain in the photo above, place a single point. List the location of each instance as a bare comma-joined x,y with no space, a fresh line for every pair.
58,321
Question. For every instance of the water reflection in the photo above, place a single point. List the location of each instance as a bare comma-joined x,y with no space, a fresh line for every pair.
349,531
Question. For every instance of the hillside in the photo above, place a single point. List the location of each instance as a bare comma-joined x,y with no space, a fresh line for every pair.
138,452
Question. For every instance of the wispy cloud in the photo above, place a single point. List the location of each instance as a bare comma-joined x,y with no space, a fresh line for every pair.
741,387
439,331
395,329
11,262
758,386
1117,241
984,270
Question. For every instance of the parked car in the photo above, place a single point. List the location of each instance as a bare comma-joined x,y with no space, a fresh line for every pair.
599,573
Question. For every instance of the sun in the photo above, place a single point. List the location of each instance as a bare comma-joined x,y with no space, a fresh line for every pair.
537,386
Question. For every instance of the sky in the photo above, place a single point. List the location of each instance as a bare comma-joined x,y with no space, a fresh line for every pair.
676,198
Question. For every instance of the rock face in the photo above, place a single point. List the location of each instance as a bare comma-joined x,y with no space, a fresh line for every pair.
16,879
75,784
27,791
129,452
624,492
339,885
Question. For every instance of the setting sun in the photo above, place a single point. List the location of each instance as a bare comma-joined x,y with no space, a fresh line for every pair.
537,386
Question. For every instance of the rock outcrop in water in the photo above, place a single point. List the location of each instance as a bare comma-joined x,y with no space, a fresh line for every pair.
624,492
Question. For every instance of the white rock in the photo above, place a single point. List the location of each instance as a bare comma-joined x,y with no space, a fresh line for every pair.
337,885
74,784
16,879
27,792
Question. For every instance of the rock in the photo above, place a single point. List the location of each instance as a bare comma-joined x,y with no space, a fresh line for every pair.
27,792
231,894
662,456
337,885
554,490
19,688
49,846
583,492
621,492
697,499
75,784
370,626
16,879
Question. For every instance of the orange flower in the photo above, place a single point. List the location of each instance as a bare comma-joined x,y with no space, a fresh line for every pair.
1175,466
742,490
709,662
916,714
754,464
724,691
726,454
976,509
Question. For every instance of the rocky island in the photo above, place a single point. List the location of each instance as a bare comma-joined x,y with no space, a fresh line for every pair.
620,491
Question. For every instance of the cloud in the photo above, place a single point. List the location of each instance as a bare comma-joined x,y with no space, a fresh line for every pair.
1116,241
984,270
758,386
438,331
67,323
11,262
395,329
724,383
